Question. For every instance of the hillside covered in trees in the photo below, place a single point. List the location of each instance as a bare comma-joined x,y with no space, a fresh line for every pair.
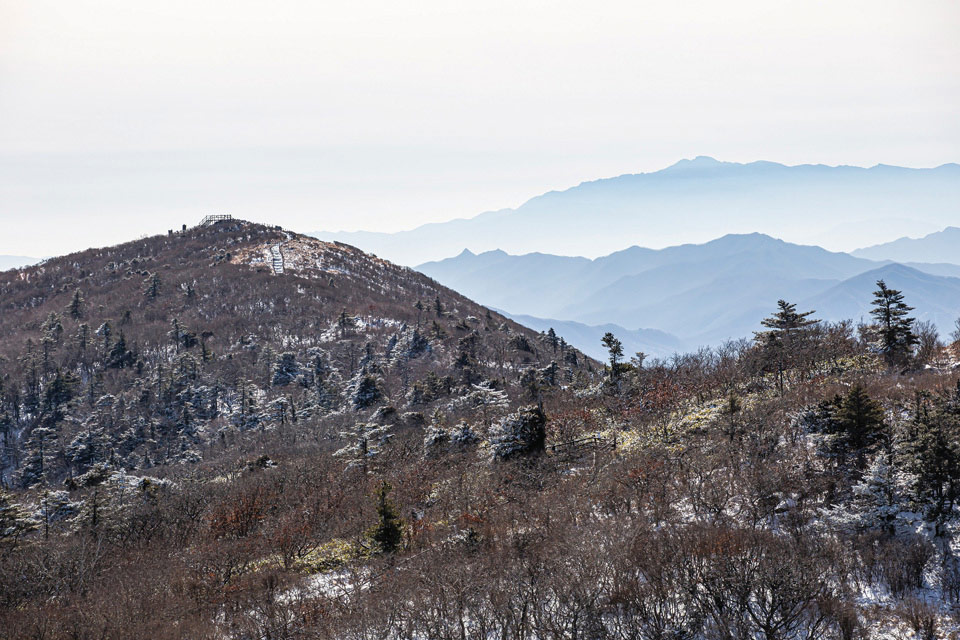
238,432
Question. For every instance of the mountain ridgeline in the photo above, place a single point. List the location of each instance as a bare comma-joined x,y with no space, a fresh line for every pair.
696,294
152,352
706,198
941,246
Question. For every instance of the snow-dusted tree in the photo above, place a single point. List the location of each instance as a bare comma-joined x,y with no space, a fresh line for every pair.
55,506
285,370
120,356
463,435
40,445
345,323
434,437
878,497
15,522
520,433
151,286
104,331
364,391
364,441
489,400
931,451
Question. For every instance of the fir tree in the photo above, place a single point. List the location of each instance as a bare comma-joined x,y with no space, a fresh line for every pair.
59,391
151,286
786,337
345,323
521,433
52,328
14,521
174,334
120,357
931,452
388,532
75,308
893,324
105,331
551,338
30,365
857,426
285,370
35,467
615,349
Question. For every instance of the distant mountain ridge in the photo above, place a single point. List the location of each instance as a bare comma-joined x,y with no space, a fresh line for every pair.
705,198
693,294
935,298
652,342
15,262
941,246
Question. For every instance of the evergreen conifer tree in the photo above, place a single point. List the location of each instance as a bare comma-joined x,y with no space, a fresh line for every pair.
893,324
75,308
14,521
931,452
857,427
151,288
120,357
786,338
615,349
388,532
552,339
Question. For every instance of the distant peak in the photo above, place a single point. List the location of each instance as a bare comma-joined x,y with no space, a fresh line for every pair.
753,238
700,162
466,253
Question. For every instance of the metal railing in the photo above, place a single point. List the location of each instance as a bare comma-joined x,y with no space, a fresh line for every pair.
208,220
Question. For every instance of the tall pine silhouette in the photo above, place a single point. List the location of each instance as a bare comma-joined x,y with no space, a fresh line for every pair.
894,325
784,341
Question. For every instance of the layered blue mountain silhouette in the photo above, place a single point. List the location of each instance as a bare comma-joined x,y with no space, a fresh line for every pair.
941,246
696,200
689,295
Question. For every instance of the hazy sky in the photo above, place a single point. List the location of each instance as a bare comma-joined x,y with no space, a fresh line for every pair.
121,117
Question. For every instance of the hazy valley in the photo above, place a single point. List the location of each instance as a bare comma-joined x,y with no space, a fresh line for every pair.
697,294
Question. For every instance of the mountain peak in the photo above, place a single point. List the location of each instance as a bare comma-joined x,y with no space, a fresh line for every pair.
699,162
939,246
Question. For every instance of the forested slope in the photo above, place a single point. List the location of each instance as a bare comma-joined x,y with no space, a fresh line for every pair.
348,450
